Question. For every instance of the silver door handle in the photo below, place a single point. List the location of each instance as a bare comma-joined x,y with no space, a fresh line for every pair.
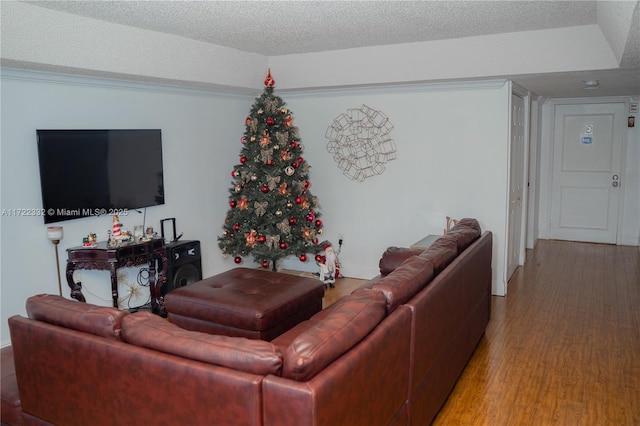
615,182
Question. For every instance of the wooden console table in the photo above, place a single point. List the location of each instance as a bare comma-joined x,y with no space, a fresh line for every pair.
112,258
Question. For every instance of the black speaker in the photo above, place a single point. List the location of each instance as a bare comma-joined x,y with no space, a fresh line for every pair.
185,265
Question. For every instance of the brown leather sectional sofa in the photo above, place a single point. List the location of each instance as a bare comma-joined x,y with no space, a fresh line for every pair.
388,354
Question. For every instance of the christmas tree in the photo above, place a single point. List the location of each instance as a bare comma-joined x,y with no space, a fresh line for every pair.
272,213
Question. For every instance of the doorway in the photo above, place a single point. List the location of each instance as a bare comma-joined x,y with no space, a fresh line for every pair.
586,172
515,242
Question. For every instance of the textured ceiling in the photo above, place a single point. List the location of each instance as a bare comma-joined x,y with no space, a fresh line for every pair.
284,27
274,28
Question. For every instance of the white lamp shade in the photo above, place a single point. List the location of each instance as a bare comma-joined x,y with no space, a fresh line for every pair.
54,232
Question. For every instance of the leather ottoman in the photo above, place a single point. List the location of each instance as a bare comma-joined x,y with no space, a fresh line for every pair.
243,302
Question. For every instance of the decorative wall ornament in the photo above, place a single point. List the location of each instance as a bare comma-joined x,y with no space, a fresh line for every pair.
360,143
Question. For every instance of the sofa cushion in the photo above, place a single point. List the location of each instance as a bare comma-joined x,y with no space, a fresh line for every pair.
240,353
441,253
11,409
402,284
350,321
394,256
468,222
99,320
464,233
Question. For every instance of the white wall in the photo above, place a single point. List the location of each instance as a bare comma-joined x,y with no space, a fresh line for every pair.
451,160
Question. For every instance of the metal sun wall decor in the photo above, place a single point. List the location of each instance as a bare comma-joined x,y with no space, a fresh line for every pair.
360,143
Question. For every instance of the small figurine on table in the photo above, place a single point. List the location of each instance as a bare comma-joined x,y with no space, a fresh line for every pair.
149,234
327,264
90,240
117,231
119,236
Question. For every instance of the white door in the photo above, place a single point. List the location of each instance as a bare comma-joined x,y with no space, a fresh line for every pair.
516,183
587,160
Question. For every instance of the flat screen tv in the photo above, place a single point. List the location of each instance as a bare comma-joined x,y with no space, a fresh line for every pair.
94,172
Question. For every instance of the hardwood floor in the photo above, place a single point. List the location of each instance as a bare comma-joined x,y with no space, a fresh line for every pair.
343,287
562,348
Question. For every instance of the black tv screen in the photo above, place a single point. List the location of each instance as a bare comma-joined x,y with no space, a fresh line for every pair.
95,172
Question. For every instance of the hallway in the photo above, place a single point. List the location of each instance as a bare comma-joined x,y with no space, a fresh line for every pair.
563,347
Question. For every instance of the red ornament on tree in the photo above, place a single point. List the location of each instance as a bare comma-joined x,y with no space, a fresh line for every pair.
293,221
237,259
283,245
294,144
232,203
319,223
303,257
243,159
236,227
265,264
298,200
270,121
264,189
269,81
262,238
